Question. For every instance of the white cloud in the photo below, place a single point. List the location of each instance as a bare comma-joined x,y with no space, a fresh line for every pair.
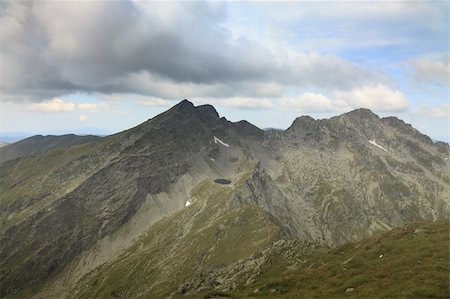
132,97
138,99
151,101
93,107
87,106
53,105
237,102
83,117
441,111
379,98
308,103
431,71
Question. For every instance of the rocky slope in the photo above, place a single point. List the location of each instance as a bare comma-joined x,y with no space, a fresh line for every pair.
407,262
40,143
142,213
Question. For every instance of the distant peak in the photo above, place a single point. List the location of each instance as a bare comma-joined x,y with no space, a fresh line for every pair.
361,112
406,128
304,118
185,111
247,128
302,122
184,104
184,107
395,121
207,113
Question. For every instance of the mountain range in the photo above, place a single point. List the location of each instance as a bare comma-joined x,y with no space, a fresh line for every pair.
189,204
39,143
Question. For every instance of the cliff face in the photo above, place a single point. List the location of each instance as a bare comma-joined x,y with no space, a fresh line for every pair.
145,199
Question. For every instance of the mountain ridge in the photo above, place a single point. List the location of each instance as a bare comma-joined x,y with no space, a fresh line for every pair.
38,143
321,181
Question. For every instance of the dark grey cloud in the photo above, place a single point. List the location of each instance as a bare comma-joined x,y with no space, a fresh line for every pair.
172,49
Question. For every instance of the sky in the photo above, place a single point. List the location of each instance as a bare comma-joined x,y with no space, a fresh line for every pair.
105,66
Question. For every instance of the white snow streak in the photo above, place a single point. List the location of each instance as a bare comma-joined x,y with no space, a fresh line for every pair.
373,142
220,141
187,204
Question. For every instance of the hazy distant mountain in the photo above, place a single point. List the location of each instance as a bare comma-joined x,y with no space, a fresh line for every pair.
188,203
273,129
41,143
11,137
2,143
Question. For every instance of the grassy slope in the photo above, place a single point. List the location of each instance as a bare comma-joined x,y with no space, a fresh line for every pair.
206,233
30,183
31,186
414,265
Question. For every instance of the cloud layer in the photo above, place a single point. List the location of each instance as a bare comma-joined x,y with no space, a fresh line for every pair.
53,105
379,98
153,52
167,50
440,111
431,71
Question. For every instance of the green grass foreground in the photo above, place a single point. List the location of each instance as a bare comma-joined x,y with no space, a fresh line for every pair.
410,262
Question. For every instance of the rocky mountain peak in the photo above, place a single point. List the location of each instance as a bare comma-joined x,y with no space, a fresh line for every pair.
406,129
246,128
362,113
184,106
182,113
357,124
207,113
307,129
304,122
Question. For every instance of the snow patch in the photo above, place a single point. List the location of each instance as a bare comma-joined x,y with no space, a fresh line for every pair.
220,141
212,159
373,142
187,204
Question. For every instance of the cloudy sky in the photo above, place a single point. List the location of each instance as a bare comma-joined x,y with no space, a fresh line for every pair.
109,65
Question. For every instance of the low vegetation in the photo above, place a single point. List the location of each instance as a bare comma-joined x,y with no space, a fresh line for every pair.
410,262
